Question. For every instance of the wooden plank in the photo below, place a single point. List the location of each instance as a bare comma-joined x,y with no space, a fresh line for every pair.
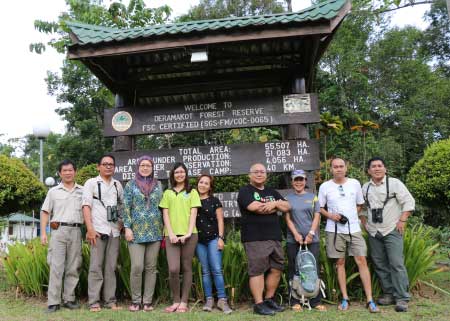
224,160
265,111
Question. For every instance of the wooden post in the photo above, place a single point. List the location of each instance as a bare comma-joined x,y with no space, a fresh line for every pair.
296,131
122,143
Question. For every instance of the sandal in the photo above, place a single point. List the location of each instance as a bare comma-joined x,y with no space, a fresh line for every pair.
147,307
320,307
134,307
343,306
182,309
297,307
172,308
113,307
372,307
95,307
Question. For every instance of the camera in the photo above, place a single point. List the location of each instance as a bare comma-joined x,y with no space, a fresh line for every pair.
343,220
377,215
112,213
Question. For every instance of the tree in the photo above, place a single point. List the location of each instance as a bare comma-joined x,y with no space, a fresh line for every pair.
429,182
82,95
20,188
364,126
215,9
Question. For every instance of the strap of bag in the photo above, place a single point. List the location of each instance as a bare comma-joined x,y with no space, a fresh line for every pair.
387,194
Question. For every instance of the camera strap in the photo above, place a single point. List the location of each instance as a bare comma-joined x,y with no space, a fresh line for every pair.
387,194
335,234
99,198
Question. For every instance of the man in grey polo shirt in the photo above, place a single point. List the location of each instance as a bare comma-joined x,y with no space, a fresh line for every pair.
63,204
388,206
102,196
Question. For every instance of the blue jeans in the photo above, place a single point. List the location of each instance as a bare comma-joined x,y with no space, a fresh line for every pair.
211,260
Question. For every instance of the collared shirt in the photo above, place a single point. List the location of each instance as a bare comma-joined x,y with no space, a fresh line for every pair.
400,200
179,205
109,197
64,205
342,199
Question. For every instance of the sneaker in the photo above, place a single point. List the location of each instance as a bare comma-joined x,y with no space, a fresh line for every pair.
270,303
208,305
222,304
372,307
262,309
52,308
71,305
386,299
401,306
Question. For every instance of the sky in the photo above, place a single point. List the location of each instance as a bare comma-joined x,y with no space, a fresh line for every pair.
23,92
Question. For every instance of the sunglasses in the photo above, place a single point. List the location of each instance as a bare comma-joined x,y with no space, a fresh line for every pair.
341,191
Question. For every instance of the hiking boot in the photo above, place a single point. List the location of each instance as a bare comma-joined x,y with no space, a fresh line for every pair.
208,305
401,306
262,309
386,299
222,305
71,305
52,308
270,303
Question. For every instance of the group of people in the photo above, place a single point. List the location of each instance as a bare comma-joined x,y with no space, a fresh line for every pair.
382,207
185,219
189,221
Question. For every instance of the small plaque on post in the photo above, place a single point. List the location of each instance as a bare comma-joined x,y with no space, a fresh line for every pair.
297,103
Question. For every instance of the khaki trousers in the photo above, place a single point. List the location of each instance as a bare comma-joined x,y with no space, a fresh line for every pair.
64,259
144,258
102,270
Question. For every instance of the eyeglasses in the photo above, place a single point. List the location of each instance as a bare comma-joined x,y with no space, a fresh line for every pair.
299,179
341,190
107,164
145,166
258,172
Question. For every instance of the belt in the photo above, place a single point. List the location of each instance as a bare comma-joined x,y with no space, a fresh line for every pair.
70,224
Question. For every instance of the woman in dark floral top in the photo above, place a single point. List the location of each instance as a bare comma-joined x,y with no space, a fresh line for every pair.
210,244
143,230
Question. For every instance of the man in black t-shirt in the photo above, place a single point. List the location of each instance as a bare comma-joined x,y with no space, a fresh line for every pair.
261,235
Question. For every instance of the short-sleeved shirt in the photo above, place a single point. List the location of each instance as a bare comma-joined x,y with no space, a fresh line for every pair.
207,224
110,196
343,201
400,200
143,215
258,227
64,205
303,208
179,205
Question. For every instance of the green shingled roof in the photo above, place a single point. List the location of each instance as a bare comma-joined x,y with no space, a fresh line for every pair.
92,34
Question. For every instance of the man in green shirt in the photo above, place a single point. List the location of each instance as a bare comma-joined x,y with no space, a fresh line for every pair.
388,204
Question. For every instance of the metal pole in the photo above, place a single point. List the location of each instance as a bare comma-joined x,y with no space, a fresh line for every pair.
41,159
448,8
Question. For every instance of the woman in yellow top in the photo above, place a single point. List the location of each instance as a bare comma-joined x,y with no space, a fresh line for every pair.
179,205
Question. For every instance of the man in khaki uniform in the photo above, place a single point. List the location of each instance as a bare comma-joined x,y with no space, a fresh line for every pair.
102,196
63,204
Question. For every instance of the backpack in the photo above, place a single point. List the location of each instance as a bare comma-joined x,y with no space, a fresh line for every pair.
306,283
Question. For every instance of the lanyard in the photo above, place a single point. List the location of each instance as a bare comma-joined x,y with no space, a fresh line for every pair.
387,193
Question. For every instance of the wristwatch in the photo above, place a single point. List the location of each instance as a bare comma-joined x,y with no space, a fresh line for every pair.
312,233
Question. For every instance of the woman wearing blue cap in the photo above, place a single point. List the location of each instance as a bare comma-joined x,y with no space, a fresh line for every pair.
303,228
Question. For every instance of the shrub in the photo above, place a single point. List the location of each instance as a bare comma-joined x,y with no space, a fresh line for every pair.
429,182
86,172
20,188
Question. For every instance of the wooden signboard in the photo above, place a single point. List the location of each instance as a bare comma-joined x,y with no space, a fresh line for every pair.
231,207
224,160
256,112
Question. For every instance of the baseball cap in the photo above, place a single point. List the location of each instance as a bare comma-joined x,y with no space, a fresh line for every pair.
298,173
